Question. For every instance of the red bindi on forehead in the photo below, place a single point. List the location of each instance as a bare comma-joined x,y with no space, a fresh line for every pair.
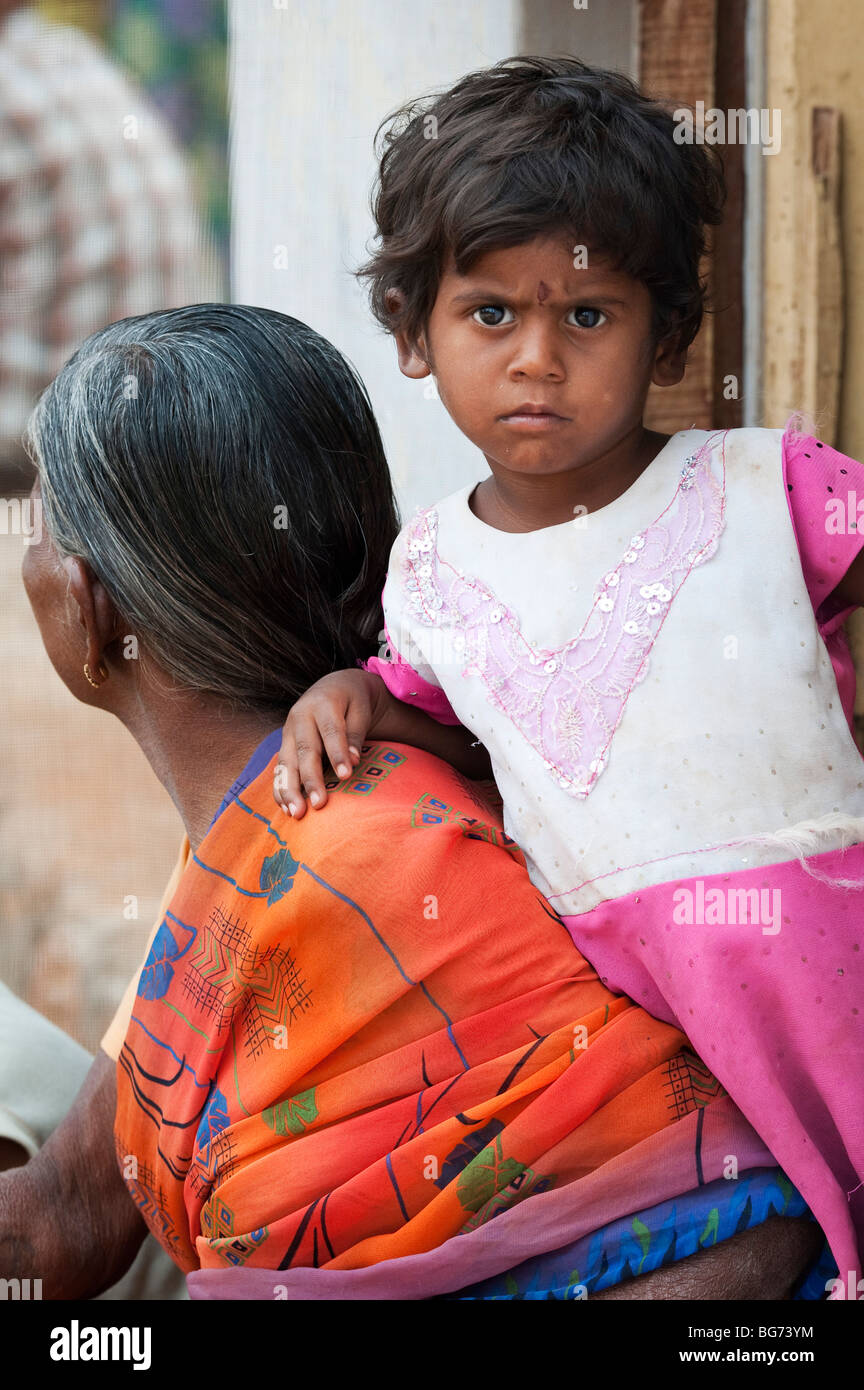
542,292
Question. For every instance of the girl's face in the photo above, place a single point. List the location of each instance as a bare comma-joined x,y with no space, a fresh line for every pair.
543,365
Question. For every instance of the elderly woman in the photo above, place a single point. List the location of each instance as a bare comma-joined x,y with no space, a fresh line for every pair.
362,1058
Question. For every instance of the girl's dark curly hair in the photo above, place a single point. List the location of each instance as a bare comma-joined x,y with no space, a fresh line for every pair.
531,146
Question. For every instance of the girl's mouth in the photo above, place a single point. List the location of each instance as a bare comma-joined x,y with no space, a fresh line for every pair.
533,417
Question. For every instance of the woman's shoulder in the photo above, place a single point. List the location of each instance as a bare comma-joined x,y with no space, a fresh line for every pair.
399,803
406,850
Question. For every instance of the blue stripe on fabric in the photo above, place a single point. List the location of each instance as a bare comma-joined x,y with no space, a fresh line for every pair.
247,892
256,815
181,1061
415,984
402,1206
256,765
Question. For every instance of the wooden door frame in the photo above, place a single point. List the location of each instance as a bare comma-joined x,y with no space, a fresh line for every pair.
695,50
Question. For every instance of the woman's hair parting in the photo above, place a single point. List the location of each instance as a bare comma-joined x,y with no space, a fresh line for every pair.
534,146
220,469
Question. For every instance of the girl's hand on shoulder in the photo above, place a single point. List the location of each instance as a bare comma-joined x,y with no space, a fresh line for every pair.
332,719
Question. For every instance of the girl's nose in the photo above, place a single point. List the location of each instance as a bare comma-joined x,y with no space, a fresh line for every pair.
536,352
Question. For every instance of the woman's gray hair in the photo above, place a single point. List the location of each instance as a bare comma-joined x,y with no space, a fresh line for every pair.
220,469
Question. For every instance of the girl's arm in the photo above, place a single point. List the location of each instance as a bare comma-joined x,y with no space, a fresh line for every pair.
850,590
336,716
825,490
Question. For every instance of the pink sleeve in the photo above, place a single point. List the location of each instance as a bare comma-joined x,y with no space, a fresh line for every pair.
406,685
814,475
817,478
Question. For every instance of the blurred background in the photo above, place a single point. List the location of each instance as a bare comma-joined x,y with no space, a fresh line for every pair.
113,201
116,158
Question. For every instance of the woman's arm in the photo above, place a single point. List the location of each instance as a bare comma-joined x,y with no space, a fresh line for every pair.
761,1264
66,1217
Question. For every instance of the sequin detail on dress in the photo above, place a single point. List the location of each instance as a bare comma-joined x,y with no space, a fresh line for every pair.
568,703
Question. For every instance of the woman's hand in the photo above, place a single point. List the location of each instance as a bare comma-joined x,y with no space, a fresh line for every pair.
333,717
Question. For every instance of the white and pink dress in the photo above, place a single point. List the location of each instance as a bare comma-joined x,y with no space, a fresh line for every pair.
666,692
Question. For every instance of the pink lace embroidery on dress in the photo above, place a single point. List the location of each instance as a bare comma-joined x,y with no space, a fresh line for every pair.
567,703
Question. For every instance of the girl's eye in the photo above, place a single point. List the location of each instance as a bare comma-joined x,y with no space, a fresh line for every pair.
594,315
492,315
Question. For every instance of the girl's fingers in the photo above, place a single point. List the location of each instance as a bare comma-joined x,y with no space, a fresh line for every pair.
355,738
286,786
307,741
358,717
335,738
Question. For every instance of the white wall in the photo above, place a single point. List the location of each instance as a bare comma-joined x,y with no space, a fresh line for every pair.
605,32
310,82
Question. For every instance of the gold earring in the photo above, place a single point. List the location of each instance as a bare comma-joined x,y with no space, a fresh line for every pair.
102,672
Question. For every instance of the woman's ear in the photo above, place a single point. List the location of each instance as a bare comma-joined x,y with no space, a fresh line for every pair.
412,354
96,613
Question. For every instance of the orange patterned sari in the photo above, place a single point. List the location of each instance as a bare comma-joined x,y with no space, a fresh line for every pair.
364,1034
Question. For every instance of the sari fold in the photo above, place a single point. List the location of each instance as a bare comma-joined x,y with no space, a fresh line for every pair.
365,1053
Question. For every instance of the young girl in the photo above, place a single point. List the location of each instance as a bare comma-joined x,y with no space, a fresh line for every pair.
643,631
